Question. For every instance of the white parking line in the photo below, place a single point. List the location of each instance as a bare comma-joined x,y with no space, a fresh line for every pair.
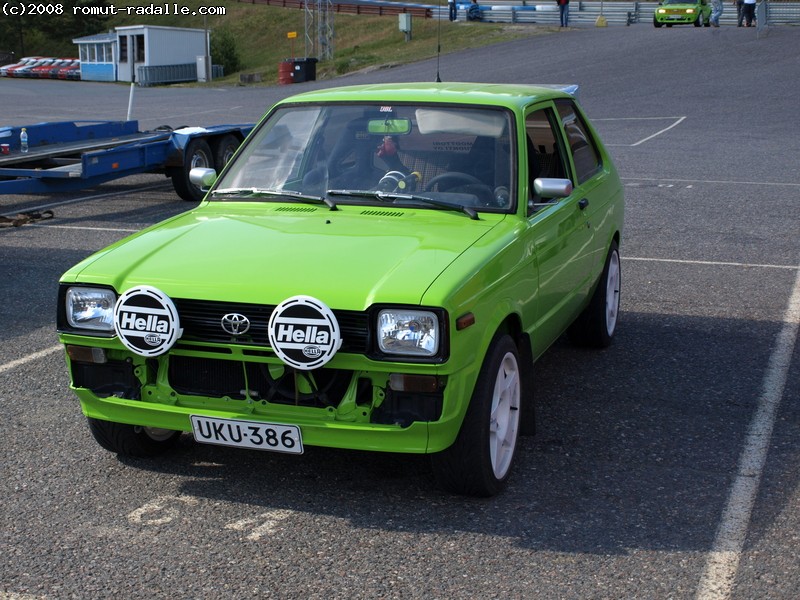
713,263
693,181
678,121
52,226
722,564
30,358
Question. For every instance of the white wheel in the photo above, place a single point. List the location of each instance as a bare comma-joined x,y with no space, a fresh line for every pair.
480,460
596,325
504,415
613,282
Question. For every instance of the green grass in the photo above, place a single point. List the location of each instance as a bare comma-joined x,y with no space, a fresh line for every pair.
360,41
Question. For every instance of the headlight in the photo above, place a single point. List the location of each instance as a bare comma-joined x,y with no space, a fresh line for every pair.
662,11
408,332
91,308
690,11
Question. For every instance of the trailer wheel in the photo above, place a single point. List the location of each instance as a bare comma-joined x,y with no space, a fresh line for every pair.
224,150
198,154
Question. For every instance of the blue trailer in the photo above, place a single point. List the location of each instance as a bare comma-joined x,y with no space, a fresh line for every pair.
66,156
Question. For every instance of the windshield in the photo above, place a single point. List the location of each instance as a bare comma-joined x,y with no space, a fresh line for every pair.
434,157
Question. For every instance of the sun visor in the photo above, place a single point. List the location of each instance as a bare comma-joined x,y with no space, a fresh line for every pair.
466,122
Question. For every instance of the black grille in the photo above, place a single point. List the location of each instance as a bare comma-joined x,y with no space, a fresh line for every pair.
202,322
236,380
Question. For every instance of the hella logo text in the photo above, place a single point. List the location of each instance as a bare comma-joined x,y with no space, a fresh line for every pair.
150,323
303,335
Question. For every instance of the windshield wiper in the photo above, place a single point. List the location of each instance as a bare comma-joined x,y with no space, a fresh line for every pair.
470,212
256,192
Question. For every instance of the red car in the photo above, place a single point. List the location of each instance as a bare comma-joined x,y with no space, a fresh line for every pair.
72,71
52,72
42,70
25,70
8,70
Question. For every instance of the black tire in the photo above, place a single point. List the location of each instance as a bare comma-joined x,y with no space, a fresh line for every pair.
224,149
656,23
198,154
480,460
699,20
132,440
527,420
597,324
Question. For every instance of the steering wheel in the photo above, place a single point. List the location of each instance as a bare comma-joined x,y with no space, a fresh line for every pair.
454,178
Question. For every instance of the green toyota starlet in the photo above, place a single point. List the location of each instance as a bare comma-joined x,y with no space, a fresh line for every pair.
682,12
377,268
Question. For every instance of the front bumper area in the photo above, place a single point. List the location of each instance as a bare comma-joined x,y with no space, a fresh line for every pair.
676,19
352,405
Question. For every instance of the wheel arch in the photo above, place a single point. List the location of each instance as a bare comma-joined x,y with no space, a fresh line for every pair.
509,322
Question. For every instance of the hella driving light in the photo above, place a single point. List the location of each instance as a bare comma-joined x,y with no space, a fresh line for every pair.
408,332
91,308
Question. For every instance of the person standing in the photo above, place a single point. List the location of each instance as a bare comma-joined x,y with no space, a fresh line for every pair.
563,10
739,12
749,10
474,11
453,9
716,12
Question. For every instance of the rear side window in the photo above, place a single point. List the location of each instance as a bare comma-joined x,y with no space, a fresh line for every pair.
580,142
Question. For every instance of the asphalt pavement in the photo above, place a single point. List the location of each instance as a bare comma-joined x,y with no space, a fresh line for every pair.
663,467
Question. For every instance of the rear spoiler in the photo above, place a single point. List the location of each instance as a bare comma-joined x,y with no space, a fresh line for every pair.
569,88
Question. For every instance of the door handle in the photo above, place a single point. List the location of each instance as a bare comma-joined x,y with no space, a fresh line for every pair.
583,203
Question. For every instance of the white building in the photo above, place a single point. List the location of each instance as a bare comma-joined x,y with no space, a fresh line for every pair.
130,53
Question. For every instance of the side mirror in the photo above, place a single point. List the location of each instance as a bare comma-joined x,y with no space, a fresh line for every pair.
546,190
550,188
202,178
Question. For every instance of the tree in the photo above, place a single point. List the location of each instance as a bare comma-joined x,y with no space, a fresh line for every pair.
53,33
224,51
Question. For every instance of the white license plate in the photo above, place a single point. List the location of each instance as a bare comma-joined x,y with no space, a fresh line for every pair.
247,434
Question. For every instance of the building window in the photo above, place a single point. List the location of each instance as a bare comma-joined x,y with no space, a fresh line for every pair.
140,48
123,49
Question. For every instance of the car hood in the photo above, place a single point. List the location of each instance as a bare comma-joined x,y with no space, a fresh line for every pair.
349,258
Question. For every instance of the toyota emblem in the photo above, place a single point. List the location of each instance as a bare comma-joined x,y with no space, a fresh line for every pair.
235,323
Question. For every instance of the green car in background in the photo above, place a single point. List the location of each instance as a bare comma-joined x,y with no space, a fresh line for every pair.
377,268
682,12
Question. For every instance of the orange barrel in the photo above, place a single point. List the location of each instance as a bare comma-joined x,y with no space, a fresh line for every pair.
285,70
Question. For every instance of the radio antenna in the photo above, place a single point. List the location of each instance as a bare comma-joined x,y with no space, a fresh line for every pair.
439,41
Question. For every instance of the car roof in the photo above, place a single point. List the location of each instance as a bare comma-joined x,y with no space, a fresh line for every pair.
494,94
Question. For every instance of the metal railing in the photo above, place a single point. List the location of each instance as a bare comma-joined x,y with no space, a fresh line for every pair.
147,76
585,12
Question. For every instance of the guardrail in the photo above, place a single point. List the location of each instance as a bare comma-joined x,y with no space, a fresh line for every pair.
147,76
616,13
581,12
